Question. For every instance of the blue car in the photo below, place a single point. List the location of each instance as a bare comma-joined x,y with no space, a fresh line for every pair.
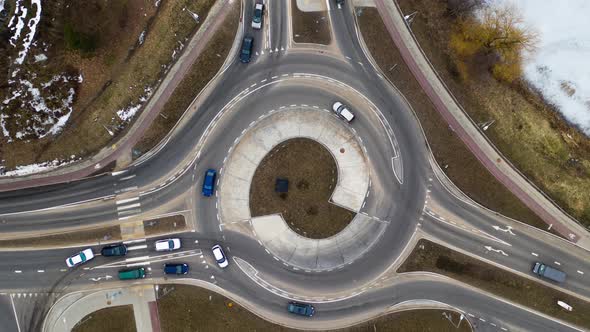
181,268
301,309
246,52
209,182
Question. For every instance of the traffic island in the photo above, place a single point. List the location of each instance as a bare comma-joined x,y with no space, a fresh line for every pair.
349,192
296,180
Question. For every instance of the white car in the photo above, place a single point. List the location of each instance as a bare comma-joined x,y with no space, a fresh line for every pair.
565,305
220,256
342,111
257,17
79,258
168,244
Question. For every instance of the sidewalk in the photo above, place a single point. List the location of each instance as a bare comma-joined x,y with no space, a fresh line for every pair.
124,144
468,132
72,308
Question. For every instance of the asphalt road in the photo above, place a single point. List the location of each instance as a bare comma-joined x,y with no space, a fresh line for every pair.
170,181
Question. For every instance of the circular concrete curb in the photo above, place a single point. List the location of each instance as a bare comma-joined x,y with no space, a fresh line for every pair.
350,191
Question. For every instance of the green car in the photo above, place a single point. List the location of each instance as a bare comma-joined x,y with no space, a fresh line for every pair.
132,274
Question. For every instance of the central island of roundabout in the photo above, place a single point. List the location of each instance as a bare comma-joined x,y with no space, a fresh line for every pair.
267,136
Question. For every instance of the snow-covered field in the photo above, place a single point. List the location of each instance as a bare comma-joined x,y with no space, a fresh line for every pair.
560,67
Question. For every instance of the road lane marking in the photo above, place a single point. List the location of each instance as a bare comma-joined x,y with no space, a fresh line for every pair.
14,311
127,207
556,262
135,259
535,254
40,271
142,246
128,177
124,190
128,200
580,272
134,241
18,271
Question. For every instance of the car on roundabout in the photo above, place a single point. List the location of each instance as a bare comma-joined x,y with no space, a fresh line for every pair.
301,309
342,111
168,244
219,255
209,182
80,258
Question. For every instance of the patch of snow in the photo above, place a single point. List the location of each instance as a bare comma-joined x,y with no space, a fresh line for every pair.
559,67
41,57
141,38
3,125
33,22
36,168
19,25
128,113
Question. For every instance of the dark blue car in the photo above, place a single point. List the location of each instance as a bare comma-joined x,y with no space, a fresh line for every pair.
209,182
301,309
181,268
246,51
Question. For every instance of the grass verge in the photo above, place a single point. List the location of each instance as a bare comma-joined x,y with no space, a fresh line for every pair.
189,308
164,225
310,27
528,131
111,233
119,318
431,257
305,207
459,164
201,72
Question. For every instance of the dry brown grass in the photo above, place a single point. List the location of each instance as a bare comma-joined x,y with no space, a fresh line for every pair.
312,174
118,318
555,156
310,27
450,152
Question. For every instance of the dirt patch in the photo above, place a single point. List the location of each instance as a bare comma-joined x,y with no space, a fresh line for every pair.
119,318
201,72
312,174
431,257
459,164
86,237
164,225
310,27
528,131
189,308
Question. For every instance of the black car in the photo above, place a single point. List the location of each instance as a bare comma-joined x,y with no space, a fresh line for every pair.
181,268
114,250
246,52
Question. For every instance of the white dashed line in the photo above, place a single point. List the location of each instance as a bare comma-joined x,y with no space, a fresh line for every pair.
535,254
580,272
18,271
557,263
40,271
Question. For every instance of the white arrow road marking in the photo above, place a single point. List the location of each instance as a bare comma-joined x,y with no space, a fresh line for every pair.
507,230
496,250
